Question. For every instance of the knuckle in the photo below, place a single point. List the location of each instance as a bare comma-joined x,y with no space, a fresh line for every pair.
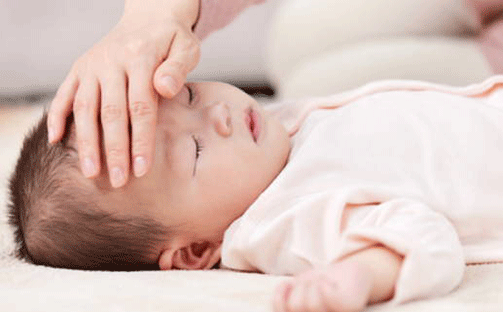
107,57
194,42
180,66
137,47
191,48
192,54
81,106
140,147
82,65
115,153
141,109
111,113
195,46
85,145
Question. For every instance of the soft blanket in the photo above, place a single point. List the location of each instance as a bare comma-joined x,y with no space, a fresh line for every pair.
26,287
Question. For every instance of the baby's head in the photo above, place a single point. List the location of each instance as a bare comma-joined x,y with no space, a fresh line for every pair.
216,151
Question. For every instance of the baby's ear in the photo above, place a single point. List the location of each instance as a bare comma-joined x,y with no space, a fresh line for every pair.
196,256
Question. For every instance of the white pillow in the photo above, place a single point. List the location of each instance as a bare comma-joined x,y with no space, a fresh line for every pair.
436,59
42,38
304,29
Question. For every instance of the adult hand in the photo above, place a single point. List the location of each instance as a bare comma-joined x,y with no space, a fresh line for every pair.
111,87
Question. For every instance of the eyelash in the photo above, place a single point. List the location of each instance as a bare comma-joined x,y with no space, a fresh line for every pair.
191,95
199,146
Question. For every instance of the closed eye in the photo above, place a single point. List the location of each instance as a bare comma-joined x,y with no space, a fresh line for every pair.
191,95
198,150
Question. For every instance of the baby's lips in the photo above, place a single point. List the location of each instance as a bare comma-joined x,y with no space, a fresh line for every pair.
252,121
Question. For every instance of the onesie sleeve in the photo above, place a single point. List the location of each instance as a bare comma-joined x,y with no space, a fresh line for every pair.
216,14
433,262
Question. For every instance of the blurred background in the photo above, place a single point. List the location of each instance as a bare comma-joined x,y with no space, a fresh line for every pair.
41,39
290,48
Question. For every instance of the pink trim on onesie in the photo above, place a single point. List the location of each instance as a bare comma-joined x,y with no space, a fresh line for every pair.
293,121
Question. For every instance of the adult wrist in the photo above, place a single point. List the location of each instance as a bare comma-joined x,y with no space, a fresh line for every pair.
184,11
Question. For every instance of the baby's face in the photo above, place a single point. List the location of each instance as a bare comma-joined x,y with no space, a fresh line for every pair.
216,151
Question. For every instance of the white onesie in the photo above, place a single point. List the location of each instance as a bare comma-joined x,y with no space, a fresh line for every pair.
414,166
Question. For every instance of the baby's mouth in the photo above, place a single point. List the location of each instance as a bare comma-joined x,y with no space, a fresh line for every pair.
252,120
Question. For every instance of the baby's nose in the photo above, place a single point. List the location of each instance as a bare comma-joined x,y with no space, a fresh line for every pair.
220,116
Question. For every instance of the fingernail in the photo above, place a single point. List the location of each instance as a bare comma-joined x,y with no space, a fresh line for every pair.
89,167
117,177
169,82
51,134
140,166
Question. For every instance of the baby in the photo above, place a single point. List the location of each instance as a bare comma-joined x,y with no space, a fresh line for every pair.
381,193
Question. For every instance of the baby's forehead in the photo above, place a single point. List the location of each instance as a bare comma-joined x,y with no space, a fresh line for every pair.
131,199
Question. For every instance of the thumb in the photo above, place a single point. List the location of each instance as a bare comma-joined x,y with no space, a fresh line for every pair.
168,82
183,57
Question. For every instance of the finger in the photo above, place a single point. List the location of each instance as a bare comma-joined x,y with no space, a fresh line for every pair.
281,295
314,301
296,300
182,58
85,109
331,296
143,114
115,124
61,107
338,298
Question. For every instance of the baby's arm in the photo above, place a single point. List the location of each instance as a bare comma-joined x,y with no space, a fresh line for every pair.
381,266
398,250
350,284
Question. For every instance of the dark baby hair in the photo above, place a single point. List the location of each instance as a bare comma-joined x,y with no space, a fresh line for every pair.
56,214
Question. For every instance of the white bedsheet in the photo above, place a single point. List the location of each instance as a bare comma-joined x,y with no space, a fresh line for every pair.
26,287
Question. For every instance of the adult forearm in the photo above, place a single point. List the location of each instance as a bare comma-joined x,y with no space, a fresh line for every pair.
206,16
216,14
185,11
